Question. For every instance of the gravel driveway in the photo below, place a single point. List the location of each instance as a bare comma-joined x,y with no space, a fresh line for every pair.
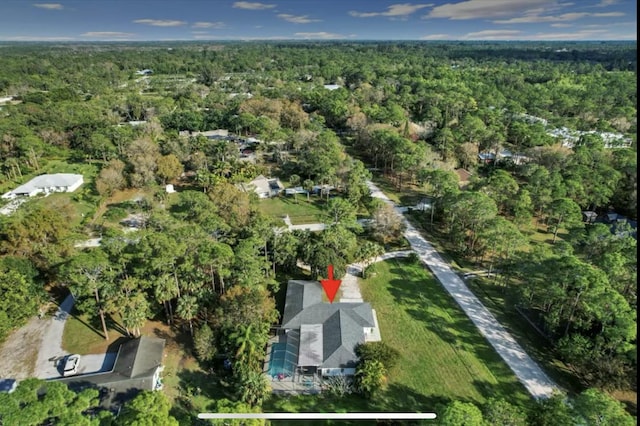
35,350
528,372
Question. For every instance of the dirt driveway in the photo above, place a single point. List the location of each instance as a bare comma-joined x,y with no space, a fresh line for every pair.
32,350
19,352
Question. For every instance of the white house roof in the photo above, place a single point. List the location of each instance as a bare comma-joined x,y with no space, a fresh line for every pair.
48,181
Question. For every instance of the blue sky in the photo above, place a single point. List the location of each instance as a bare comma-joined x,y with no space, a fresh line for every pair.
131,20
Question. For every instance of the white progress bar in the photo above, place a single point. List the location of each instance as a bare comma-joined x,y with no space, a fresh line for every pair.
319,416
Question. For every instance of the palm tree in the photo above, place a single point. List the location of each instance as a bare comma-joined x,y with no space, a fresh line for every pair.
188,309
294,180
308,186
367,253
165,290
134,312
247,352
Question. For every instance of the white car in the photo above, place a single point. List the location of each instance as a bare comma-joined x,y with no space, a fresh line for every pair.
71,365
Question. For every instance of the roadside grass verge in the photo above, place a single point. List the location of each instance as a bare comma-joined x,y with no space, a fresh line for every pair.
496,298
442,355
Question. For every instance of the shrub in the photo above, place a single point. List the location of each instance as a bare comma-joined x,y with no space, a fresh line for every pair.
378,351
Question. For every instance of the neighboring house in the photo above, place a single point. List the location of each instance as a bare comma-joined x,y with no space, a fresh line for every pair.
264,187
295,190
59,182
516,158
218,134
322,189
137,367
321,337
489,157
486,157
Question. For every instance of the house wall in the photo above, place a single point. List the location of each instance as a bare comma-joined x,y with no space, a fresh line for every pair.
327,372
75,185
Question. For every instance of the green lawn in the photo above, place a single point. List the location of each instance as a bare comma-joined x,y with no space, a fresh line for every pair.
442,352
300,211
442,355
83,335
409,195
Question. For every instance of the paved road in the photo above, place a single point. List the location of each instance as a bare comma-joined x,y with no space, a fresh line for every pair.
528,372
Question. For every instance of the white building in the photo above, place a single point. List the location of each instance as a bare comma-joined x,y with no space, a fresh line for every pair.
46,184
264,187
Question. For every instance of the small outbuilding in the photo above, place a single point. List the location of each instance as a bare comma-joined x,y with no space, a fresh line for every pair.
589,216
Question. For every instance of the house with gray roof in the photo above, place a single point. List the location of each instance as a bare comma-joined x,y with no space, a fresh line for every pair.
264,187
137,367
321,337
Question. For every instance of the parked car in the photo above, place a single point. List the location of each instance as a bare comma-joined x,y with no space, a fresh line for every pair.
71,365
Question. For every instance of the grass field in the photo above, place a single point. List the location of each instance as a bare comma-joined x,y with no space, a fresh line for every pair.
300,211
442,355
442,352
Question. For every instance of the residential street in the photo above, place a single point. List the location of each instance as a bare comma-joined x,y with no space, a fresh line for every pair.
528,372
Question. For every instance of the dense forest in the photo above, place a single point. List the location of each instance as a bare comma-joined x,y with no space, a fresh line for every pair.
207,259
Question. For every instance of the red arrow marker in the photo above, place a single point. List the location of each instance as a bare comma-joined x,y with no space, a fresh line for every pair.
330,285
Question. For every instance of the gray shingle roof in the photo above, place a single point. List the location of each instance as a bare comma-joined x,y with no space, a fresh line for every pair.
341,336
133,371
342,325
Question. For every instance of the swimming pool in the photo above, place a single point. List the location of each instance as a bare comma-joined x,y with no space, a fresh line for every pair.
283,360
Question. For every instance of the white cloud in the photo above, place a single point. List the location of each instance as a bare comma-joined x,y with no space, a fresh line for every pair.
107,34
297,19
38,38
436,37
252,6
561,25
558,18
50,6
618,24
576,35
395,10
493,35
160,22
320,35
214,25
605,3
474,9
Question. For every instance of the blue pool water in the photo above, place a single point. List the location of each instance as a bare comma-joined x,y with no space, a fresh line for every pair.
282,361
